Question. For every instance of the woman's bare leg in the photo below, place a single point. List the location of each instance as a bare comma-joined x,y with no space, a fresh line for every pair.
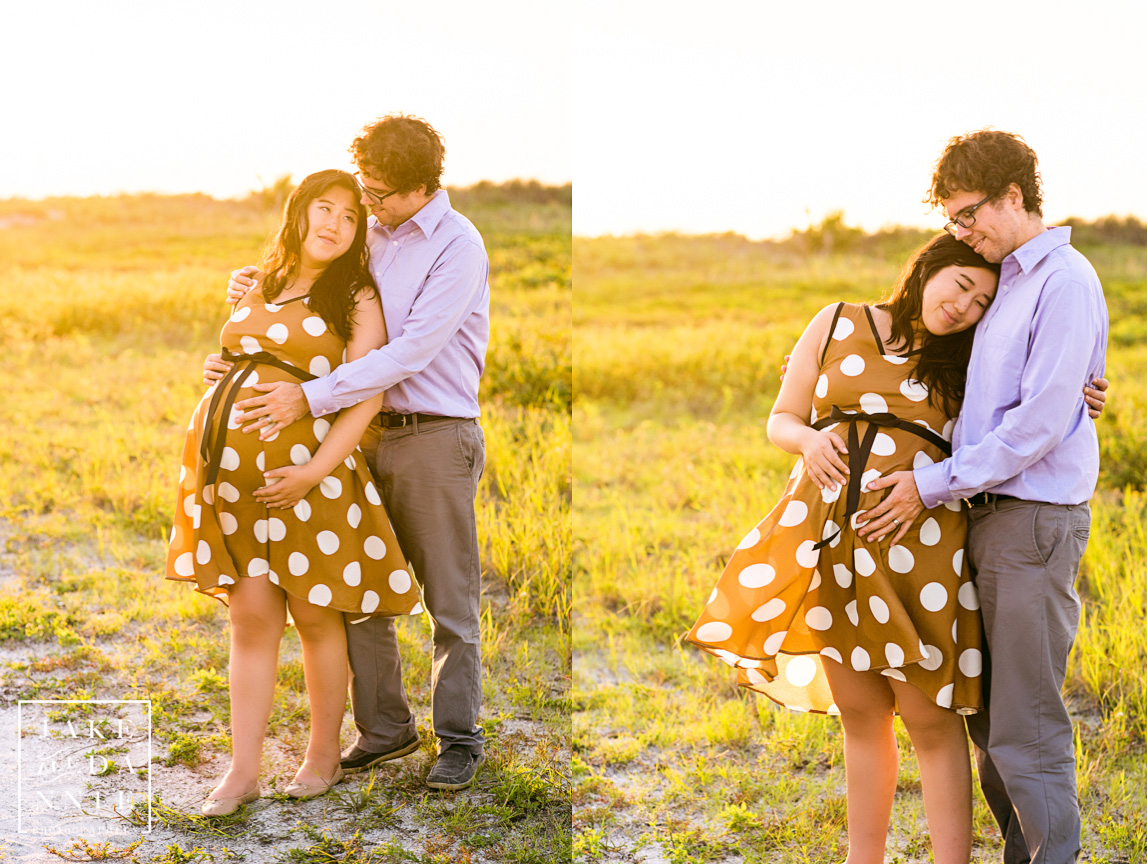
258,615
323,634
871,761
941,745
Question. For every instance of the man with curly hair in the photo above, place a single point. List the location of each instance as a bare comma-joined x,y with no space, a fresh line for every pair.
431,268
1026,458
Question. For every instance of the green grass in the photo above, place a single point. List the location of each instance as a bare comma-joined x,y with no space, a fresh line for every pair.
107,307
677,348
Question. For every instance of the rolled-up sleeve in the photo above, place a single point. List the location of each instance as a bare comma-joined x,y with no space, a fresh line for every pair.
1060,353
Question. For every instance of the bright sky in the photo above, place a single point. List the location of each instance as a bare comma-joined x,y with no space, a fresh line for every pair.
139,95
757,116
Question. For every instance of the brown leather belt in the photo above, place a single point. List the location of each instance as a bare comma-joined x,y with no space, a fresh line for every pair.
391,420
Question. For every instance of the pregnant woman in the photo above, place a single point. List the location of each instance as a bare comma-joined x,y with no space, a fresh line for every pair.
819,620
290,518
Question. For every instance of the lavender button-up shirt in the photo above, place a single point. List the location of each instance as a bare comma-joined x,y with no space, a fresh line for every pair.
431,272
1024,429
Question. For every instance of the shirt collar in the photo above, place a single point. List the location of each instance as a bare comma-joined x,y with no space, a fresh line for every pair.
1040,246
427,219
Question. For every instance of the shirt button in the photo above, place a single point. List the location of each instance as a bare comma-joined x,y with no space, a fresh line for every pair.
396,243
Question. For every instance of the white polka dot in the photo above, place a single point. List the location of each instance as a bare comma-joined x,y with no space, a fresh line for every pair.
829,495
250,345
807,556
714,631
757,575
921,460
314,325
374,547
241,314
830,529
196,516
228,492
812,416
852,365
842,574
814,583
818,618
955,641
883,445
209,495
272,307
226,580
185,564
800,671
954,506
774,642
321,427
879,609
770,610
843,329
273,577
958,562
349,462
331,487
298,564
914,390
829,651
968,597
900,559
755,677
862,561
751,539
233,419
868,476
319,366
261,530
894,654
893,673
873,403
260,461
399,581
302,510
320,595
251,379
276,529
229,460
794,514
328,542
354,515
727,656
257,567
944,697
228,523
930,532
894,360
352,574
712,596
278,333
860,659
300,455
933,596
971,662
189,504
933,658
850,611
821,387
372,494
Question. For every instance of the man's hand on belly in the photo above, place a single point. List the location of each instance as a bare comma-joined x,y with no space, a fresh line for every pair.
897,512
280,405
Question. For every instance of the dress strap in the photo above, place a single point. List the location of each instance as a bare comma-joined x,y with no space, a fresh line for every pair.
875,332
831,330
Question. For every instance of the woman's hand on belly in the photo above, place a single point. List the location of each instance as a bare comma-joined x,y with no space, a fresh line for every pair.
287,486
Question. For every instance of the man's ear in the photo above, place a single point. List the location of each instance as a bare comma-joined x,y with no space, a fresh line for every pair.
1014,197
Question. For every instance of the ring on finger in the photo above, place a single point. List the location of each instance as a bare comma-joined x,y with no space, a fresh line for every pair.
896,522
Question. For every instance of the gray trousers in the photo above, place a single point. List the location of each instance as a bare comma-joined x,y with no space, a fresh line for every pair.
428,475
1025,556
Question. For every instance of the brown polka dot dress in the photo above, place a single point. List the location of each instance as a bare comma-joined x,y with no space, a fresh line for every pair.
335,547
802,585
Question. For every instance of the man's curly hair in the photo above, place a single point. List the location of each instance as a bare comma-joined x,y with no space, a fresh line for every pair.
403,151
987,161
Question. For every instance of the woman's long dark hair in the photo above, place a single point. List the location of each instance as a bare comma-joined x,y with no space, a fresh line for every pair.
334,293
942,361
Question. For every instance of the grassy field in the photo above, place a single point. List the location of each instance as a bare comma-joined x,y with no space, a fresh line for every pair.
677,346
107,307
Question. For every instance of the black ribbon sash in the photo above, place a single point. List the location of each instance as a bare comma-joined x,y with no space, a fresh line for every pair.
860,449
244,365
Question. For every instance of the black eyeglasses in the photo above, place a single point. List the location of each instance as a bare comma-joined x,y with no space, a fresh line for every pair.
371,194
967,218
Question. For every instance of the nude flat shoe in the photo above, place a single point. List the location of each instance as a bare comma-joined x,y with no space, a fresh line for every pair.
224,806
314,790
